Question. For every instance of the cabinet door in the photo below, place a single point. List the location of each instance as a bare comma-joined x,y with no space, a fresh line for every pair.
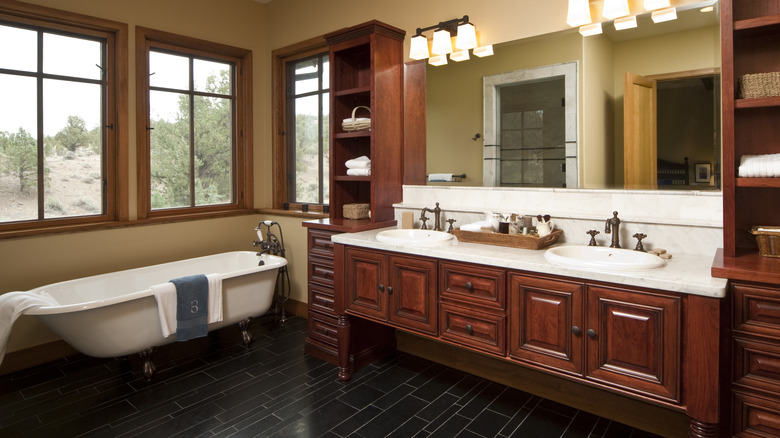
634,340
545,322
411,292
365,282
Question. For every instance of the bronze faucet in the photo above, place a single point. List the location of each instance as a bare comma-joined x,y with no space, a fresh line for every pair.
613,226
437,217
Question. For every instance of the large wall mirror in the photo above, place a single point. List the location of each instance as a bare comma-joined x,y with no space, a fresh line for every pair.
672,142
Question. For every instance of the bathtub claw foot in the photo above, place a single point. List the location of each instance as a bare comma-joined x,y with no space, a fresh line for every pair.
245,335
148,367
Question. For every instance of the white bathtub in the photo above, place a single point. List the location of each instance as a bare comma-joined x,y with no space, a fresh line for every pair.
115,314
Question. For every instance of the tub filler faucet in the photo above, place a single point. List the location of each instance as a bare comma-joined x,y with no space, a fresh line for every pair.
437,217
613,226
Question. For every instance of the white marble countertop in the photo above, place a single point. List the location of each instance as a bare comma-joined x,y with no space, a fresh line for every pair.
684,273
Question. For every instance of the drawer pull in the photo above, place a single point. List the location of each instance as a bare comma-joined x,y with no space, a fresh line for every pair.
389,289
469,286
576,330
469,329
381,287
591,333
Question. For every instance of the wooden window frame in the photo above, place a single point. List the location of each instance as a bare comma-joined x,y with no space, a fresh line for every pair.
279,60
145,39
115,196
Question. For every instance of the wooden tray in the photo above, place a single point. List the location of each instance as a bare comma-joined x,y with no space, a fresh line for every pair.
511,240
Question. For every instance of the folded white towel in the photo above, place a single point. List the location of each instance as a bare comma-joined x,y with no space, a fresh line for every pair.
477,226
359,172
759,166
440,177
14,304
165,294
359,163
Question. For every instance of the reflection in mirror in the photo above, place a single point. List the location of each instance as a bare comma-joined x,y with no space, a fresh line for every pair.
454,99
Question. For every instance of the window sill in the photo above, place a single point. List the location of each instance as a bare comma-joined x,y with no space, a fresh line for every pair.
293,213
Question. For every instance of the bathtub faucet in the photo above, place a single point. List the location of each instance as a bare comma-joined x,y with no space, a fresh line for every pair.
274,245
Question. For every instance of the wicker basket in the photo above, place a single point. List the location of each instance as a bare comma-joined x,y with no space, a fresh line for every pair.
768,239
357,123
356,211
511,240
756,85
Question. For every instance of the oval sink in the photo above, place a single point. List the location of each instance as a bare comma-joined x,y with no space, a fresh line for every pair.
414,237
603,258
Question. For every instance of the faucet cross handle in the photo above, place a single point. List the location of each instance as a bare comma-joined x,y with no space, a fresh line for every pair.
450,221
639,245
592,234
423,219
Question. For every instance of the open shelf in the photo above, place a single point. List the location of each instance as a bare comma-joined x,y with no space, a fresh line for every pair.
759,182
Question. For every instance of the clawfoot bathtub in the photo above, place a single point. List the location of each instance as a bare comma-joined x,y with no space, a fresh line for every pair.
115,314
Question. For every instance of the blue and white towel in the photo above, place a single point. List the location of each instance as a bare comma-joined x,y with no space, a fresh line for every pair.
168,303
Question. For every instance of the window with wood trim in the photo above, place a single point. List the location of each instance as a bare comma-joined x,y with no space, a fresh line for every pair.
301,102
194,116
60,133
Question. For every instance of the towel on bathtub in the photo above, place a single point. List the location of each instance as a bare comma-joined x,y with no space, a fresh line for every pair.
166,297
192,307
14,304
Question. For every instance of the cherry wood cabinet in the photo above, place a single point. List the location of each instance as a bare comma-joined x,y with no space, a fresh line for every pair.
634,340
546,322
398,289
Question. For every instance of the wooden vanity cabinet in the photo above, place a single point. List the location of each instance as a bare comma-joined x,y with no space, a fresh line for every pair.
624,338
398,289
546,322
633,340
756,352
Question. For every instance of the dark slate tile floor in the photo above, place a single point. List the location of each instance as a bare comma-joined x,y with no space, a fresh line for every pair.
216,387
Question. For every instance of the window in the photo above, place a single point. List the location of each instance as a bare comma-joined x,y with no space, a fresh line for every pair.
194,116
301,165
59,133
308,106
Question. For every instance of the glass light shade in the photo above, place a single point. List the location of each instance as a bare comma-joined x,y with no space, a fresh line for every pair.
668,14
652,5
467,37
438,60
591,29
442,44
460,55
579,13
615,8
623,23
419,47
483,51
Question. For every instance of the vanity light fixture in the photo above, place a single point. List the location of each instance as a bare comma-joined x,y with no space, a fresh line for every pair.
624,23
466,39
615,9
460,55
662,15
652,5
579,13
591,29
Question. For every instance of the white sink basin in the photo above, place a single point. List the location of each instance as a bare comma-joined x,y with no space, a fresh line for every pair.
415,237
603,258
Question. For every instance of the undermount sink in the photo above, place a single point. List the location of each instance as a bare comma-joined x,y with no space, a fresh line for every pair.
415,237
603,258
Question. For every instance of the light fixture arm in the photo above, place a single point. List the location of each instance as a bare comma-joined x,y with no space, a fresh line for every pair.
449,25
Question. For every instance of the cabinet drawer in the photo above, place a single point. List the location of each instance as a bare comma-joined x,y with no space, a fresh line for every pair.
470,284
484,331
755,416
321,271
757,365
756,309
320,243
323,328
321,298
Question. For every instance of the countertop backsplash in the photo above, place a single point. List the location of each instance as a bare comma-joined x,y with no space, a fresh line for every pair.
678,221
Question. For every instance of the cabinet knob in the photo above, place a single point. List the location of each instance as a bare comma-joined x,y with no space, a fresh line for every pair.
389,289
381,287
469,286
591,333
469,329
576,330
